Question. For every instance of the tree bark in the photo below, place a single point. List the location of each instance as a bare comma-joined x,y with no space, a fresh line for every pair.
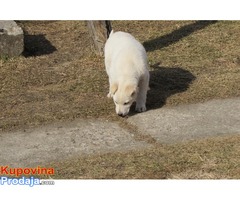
99,32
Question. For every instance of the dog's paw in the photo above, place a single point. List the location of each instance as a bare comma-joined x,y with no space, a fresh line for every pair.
140,108
109,95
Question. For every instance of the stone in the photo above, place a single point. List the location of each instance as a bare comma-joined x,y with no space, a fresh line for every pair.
11,39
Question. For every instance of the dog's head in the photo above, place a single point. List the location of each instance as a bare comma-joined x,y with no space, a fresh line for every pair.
123,97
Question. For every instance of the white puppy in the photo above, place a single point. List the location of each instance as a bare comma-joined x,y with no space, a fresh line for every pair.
127,68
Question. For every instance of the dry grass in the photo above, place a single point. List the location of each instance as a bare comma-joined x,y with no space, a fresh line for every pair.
48,85
59,78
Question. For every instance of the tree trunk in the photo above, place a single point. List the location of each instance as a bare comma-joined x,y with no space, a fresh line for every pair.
99,32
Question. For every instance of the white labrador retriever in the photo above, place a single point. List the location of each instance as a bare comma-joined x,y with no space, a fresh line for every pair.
127,68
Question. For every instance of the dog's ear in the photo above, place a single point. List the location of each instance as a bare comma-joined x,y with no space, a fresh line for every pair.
131,90
114,88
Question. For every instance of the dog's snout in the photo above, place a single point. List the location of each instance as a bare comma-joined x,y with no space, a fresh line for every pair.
121,114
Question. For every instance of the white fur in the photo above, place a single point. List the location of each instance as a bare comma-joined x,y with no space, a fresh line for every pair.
127,68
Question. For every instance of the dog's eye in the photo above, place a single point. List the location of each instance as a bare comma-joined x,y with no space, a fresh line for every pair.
126,103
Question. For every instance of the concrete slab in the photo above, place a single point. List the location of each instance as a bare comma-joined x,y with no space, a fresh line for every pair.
57,142
186,122
11,39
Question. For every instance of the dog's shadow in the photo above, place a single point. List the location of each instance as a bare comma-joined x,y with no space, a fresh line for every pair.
164,82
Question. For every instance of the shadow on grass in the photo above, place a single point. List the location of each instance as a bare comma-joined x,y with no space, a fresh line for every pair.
37,45
164,82
176,35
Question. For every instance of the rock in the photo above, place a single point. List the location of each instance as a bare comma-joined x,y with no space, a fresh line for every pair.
11,39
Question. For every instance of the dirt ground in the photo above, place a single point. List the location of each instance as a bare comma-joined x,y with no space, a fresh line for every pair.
59,77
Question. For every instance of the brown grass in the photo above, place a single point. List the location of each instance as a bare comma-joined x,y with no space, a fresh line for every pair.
58,77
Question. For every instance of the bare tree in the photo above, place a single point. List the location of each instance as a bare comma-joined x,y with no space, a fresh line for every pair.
99,32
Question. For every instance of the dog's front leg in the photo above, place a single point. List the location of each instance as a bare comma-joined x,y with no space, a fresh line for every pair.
112,89
142,95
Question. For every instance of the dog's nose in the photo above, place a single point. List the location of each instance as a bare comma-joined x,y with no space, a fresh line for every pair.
121,114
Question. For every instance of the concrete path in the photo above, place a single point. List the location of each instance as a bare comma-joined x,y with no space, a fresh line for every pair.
26,148
178,124
32,147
